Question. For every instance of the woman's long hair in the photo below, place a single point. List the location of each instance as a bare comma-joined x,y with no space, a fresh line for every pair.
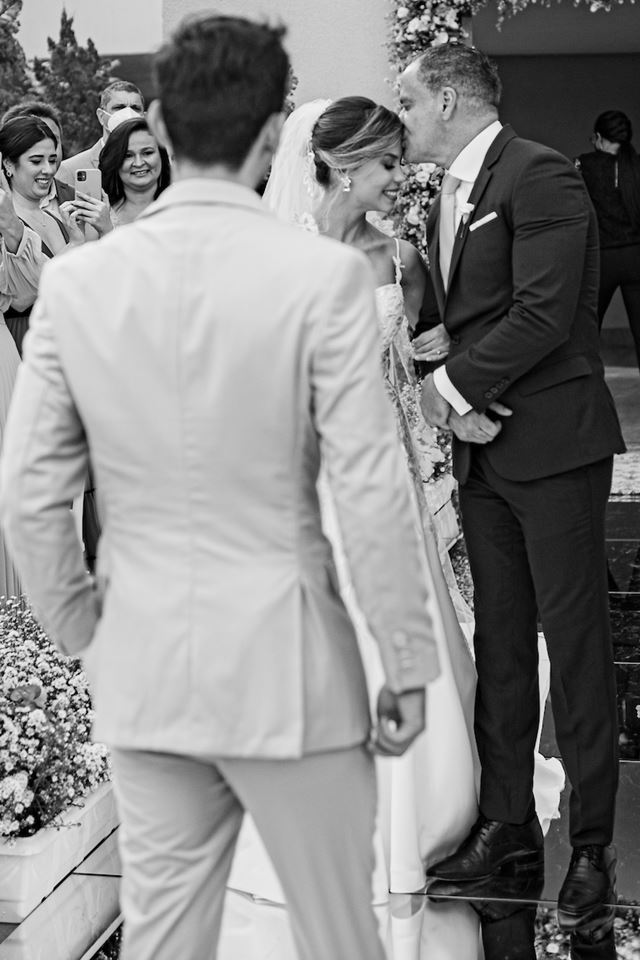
17,136
112,157
614,125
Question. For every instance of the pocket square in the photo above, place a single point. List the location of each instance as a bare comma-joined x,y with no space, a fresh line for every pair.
481,222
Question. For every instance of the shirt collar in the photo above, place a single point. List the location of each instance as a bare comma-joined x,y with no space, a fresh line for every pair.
198,191
467,164
51,197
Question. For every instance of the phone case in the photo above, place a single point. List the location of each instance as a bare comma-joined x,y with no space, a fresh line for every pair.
90,183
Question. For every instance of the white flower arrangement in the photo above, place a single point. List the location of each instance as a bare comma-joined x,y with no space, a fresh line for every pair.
47,760
432,446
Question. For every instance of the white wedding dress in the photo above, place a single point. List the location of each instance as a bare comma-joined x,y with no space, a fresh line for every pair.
428,797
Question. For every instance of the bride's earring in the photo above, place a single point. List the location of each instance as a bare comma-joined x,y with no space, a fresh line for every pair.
345,180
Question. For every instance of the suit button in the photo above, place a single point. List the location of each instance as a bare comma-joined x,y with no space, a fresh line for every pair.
455,339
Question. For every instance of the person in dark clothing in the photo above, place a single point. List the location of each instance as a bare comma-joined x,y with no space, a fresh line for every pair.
612,176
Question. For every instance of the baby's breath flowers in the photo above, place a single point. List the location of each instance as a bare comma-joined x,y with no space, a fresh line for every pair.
47,760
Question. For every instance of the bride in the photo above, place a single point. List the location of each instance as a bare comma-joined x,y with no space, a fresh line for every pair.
338,162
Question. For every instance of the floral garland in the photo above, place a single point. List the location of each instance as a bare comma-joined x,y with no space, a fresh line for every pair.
47,759
418,24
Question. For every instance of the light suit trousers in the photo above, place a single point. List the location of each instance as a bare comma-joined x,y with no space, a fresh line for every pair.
180,819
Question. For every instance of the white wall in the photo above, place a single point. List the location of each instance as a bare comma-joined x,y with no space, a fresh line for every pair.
337,47
115,26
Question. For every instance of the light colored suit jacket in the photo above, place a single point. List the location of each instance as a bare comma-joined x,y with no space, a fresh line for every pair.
80,161
208,355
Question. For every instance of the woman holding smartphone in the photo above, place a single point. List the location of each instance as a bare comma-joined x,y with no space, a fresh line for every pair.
135,170
29,163
29,160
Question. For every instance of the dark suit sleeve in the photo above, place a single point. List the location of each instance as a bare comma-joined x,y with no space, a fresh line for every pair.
429,316
550,214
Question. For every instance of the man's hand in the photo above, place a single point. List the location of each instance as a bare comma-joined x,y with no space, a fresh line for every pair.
476,427
435,408
401,718
432,345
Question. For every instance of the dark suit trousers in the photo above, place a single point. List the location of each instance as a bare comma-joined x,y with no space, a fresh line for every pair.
537,548
620,267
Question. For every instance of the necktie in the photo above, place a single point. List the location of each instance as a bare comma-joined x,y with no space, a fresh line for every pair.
447,231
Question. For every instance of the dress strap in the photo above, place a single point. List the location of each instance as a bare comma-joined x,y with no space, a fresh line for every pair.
397,262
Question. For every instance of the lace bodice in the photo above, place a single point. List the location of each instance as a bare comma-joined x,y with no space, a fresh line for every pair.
390,303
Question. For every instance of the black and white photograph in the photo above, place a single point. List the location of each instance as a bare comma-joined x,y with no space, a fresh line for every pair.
319,480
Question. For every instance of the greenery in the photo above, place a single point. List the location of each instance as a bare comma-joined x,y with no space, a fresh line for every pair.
15,81
71,79
47,759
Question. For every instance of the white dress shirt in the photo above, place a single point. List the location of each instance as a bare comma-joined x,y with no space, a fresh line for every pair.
465,168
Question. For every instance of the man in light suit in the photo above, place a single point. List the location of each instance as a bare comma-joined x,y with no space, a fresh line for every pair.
208,356
514,260
118,96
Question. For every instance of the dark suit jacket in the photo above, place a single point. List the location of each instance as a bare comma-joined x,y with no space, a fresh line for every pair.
521,313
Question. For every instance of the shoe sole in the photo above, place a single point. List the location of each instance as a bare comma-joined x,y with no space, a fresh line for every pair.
512,865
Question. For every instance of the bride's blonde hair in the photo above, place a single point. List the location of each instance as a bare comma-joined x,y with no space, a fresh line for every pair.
349,132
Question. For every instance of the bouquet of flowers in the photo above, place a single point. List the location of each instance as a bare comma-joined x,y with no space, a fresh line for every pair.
432,445
47,760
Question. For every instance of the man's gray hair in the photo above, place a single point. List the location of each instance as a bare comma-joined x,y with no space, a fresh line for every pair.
466,69
116,87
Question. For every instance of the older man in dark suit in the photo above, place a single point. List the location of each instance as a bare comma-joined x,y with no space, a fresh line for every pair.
514,262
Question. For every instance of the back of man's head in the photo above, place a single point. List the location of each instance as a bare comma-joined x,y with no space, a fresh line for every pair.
219,79
466,69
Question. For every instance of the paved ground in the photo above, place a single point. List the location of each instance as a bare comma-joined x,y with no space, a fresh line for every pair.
624,383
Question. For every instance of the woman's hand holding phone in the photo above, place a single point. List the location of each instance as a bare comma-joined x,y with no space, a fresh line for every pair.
95,213
70,219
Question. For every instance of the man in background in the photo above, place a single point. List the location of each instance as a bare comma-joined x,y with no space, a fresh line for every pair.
121,95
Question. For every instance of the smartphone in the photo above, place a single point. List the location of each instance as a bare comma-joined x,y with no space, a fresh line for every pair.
90,182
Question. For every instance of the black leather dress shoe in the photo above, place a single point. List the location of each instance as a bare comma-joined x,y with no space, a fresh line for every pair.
496,896
588,895
491,849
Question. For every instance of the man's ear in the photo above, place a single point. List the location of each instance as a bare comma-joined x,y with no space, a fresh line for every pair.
157,125
272,130
448,101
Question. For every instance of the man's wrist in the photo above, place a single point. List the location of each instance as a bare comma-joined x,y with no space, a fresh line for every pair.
448,392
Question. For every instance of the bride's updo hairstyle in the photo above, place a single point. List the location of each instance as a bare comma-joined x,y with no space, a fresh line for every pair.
350,132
